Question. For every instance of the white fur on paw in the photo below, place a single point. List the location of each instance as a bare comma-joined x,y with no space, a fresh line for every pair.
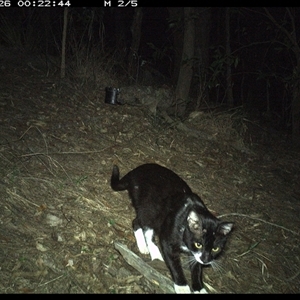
153,249
154,252
202,291
140,240
182,289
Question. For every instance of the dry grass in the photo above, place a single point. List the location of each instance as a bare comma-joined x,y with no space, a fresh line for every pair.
59,217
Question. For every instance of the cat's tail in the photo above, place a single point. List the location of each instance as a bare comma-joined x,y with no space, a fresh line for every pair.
115,182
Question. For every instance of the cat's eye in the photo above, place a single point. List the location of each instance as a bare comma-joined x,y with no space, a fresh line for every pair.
215,249
198,245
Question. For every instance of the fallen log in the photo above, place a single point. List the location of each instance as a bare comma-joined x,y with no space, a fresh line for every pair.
164,283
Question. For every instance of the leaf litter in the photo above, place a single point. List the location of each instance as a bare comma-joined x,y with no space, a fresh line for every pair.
59,218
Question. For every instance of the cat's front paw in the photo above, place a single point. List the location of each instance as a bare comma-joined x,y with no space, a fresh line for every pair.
202,291
182,289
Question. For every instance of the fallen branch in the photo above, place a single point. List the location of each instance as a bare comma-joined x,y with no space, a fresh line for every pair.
203,135
260,220
164,283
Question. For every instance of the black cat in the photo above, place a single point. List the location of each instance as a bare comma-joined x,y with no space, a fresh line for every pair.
166,206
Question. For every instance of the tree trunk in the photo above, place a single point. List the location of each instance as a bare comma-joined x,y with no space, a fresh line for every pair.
228,63
176,25
133,59
202,35
121,34
296,111
63,47
186,69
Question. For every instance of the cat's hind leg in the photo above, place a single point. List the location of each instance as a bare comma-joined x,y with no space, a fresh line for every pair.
144,240
153,249
140,240
139,236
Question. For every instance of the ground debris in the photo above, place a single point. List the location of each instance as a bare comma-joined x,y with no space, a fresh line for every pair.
165,284
60,219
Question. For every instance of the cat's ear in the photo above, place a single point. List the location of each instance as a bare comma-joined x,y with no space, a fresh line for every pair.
194,222
225,227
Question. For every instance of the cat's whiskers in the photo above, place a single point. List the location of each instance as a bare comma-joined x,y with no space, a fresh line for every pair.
217,266
189,261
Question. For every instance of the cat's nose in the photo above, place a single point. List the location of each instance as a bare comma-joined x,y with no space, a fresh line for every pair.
205,258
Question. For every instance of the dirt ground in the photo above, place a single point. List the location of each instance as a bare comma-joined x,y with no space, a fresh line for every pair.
59,218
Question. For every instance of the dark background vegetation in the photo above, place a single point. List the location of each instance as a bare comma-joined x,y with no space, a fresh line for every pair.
239,57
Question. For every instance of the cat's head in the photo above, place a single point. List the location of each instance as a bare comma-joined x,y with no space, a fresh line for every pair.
205,236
